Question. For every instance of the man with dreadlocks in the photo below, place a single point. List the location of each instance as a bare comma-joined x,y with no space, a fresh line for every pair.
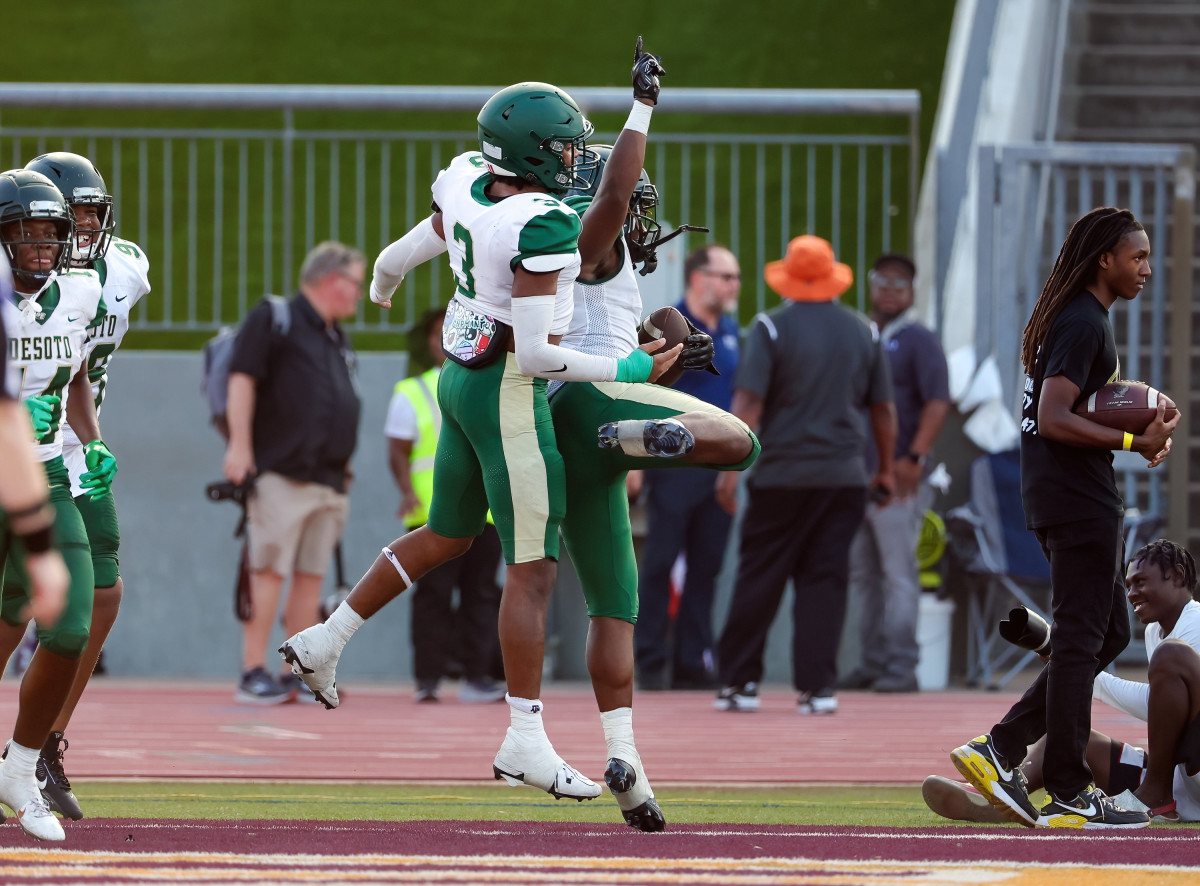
1072,504
1164,780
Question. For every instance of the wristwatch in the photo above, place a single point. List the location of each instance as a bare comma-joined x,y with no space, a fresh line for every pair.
915,457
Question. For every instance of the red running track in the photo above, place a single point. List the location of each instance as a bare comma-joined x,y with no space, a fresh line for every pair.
170,730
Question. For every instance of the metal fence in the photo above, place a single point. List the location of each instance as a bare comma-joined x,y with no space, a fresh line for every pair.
226,214
1029,195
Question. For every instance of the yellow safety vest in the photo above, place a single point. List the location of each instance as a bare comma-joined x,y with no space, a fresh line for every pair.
421,392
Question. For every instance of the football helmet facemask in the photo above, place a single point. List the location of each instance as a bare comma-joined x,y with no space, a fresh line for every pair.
27,196
526,129
81,185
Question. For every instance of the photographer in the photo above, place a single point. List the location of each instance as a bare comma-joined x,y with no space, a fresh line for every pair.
293,423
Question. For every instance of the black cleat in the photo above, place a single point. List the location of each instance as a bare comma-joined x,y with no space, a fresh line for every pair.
53,781
662,437
621,779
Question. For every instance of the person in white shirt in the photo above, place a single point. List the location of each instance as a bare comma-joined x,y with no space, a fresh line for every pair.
1164,779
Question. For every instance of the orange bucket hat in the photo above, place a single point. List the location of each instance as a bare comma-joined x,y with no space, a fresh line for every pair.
808,271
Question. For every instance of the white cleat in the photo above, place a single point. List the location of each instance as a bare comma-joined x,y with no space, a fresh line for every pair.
313,656
521,760
23,797
629,785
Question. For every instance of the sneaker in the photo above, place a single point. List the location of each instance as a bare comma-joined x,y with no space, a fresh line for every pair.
631,788
22,796
259,687
896,683
958,801
480,692
427,691
313,656
532,761
738,698
1089,811
53,781
664,437
823,701
1004,788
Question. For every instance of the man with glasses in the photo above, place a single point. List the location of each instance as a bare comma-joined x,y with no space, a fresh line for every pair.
293,425
884,576
683,514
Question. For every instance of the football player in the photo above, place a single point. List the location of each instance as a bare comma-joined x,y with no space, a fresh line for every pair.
122,268
513,248
48,320
639,426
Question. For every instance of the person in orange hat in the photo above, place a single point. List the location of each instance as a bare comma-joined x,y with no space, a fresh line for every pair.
813,383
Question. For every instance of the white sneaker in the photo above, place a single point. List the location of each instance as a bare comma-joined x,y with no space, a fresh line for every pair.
522,760
23,797
628,783
313,655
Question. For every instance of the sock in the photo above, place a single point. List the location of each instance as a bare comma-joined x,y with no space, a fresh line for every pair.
526,715
343,623
618,734
21,760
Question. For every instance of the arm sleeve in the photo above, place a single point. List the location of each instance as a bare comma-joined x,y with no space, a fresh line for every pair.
416,247
1124,695
531,319
252,347
401,423
547,242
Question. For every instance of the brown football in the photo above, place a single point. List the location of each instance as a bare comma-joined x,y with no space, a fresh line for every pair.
666,323
1124,405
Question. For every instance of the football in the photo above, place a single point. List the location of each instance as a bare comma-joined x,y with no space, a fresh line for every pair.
669,324
1124,405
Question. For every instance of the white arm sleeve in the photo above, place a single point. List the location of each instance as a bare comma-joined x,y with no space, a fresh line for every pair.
1125,695
532,316
416,247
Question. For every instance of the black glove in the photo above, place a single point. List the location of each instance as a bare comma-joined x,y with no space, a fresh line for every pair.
1027,630
697,350
647,69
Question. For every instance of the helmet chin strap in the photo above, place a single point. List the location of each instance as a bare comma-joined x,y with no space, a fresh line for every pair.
649,256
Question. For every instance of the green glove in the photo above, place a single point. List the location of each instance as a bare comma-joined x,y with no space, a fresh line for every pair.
102,467
41,413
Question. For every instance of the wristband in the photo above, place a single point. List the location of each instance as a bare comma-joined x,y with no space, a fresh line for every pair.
635,368
639,118
1127,441
38,541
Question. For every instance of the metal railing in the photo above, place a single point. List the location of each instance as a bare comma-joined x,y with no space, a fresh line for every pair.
226,214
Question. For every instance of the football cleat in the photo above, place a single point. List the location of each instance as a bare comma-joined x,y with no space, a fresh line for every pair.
1005,789
629,785
1091,810
313,656
958,801
24,798
822,702
53,781
532,761
738,698
662,438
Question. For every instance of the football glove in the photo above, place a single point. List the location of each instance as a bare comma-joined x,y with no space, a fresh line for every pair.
647,69
698,351
41,413
102,467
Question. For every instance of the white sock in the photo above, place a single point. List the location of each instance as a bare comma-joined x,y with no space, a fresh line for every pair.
344,622
525,715
618,734
20,761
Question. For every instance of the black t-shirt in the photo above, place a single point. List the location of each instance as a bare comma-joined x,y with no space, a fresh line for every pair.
306,408
4,395
1062,483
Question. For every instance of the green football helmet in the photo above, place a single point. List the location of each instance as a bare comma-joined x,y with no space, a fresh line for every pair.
27,196
525,129
81,185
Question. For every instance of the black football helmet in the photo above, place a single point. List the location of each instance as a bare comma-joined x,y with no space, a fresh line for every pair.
81,185
27,196
642,230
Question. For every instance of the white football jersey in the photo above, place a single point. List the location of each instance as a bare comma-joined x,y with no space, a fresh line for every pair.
46,347
486,240
123,273
606,312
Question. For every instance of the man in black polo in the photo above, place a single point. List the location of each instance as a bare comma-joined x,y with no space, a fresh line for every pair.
293,423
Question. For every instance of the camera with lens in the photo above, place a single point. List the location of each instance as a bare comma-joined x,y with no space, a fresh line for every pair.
1026,629
227,490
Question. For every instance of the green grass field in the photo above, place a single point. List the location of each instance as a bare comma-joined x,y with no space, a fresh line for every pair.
855,805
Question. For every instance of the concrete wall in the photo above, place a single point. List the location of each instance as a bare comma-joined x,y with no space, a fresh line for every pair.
179,559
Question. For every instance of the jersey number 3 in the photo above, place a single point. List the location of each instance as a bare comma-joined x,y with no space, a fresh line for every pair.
464,277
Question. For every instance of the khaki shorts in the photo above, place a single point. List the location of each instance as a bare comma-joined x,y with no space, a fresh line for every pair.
294,526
